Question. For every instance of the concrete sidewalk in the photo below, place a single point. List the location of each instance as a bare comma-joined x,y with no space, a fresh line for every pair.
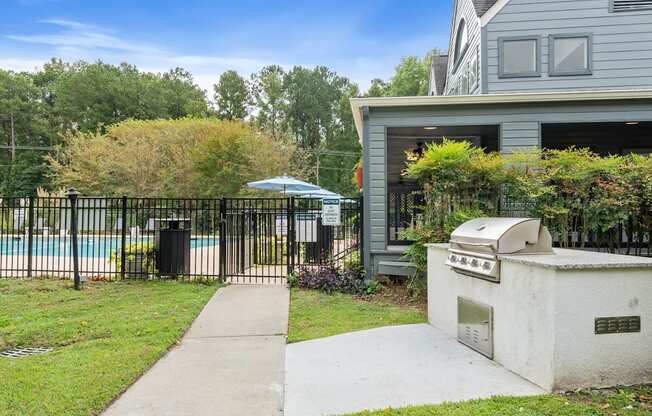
231,361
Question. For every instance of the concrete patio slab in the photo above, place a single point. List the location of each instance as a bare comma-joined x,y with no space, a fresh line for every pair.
231,362
392,366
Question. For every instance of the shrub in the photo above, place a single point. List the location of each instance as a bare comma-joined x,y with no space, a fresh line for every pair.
431,233
329,278
582,198
146,252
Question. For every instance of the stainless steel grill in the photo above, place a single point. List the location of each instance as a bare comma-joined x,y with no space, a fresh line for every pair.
476,244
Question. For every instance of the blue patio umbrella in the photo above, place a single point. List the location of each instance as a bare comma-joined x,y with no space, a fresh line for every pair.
318,194
283,184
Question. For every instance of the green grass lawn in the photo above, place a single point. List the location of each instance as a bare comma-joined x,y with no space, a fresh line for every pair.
315,315
104,336
612,402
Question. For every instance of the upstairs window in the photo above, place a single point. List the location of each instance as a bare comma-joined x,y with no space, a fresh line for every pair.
461,42
519,57
630,5
570,55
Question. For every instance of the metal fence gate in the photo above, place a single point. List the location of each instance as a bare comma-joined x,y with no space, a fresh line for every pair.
265,239
238,240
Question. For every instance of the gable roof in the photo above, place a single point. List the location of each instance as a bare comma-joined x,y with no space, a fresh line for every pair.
439,71
482,6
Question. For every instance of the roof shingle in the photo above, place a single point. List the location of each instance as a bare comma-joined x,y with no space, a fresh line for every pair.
481,6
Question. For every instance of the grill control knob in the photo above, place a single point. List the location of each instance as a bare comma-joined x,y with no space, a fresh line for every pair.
475,263
486,265
452,258
463,260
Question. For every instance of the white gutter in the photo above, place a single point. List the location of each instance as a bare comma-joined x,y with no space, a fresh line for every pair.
357,104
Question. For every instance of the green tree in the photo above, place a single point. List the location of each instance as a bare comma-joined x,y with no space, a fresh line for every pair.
182,96
411,77
22,127
268,97
378,88
319,117
174,158
231,96
89,96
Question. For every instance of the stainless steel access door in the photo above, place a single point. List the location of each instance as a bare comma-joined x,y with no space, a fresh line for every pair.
475,326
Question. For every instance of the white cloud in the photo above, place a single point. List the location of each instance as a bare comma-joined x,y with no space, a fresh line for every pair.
72,40
21,64
81,35
82,41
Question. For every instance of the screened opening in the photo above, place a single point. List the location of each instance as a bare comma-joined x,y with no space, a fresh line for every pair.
404,194
603,138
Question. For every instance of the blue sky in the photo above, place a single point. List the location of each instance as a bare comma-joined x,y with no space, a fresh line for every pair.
361,39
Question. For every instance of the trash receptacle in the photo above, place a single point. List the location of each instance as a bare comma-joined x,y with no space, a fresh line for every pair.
319,252
173,252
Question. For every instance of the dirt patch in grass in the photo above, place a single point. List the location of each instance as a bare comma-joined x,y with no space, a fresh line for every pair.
396,293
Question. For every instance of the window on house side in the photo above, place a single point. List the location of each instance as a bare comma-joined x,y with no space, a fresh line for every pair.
473,72
570,55
519,57
461,41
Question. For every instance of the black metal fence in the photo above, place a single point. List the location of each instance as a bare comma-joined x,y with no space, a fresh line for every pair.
630,236
243,240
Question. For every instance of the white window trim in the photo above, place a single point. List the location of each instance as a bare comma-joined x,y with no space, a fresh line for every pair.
551,54
458,58
501,67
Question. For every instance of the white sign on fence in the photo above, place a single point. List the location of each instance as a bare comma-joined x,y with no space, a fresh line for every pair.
330,212
306,228
282,224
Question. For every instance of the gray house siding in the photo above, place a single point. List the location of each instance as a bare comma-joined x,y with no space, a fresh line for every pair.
466,11
520,127
622,44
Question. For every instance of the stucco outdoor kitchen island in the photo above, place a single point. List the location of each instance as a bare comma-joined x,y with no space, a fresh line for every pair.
563,321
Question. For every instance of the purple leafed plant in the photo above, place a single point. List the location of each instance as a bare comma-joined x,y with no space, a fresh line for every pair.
330,278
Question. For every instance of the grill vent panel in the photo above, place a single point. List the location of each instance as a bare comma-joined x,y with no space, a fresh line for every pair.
631,5
617,324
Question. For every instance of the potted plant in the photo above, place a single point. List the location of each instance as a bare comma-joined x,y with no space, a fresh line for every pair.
140,259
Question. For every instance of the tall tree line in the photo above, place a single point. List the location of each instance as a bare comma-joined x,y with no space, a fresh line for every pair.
307,107
37,109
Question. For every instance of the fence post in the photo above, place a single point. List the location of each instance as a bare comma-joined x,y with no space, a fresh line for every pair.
72,196
290,235
360,233
222,237
123,238
30,236
242,245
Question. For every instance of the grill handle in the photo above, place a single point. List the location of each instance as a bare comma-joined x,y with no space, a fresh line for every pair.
464,243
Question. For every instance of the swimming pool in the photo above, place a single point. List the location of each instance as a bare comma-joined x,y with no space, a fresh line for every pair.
89,246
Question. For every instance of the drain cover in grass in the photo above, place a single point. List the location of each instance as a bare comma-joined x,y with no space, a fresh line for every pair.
24,352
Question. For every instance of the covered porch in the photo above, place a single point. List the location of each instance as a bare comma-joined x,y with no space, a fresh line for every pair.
608,122
404,196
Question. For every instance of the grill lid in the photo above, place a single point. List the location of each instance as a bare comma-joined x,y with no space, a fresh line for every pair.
502,236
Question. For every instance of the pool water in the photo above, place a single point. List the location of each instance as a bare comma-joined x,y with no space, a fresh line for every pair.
96,247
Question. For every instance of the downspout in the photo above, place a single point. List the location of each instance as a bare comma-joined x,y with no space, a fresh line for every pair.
366,181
